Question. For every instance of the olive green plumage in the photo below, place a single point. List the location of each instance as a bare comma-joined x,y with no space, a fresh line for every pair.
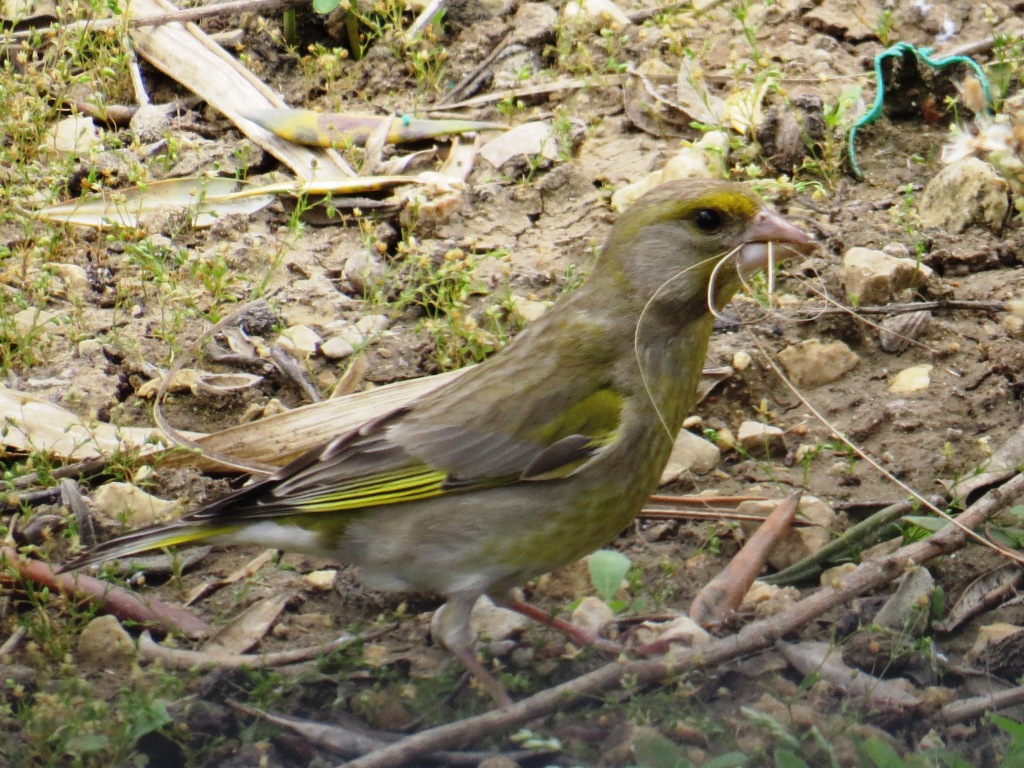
537,456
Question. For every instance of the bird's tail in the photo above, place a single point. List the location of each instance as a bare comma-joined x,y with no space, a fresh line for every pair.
172,534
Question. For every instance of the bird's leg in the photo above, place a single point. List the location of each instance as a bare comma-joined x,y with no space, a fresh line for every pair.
578,635
451,626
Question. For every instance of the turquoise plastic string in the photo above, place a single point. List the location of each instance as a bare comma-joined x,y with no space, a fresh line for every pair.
923,54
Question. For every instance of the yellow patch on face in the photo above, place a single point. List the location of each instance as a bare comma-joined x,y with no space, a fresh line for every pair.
733,202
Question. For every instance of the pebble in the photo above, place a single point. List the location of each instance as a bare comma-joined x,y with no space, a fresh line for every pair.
300,339
967,193
760,439
914,379
811,363
874,277
124,501
104,645
690,453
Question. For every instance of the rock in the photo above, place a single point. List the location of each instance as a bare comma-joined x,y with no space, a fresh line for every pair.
768,599
690,454
104,645
849,19
834,576
595,14
321,581
372,325
914,379
337,347
811,363
353,336
363,271
91,349
529,140
494,622
30,320
126,502
909,609
966,193
875,277
533,23
592,615
76,280
300,339
760,439
788,132
741,361
682,629
150,123
525,310
74,135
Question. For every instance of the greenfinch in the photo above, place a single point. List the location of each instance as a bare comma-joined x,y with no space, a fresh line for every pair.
536,457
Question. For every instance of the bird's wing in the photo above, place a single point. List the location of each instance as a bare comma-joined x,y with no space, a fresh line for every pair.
398,458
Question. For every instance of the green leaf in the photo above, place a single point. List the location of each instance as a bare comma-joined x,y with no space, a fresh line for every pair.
928,522
786,759
607,569
325,6
882,754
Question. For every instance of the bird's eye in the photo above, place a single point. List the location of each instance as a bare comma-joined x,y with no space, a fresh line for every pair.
708,219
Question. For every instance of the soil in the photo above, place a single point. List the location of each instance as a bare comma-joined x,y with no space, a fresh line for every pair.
547,222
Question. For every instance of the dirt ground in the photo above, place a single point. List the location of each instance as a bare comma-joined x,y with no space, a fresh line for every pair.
530,232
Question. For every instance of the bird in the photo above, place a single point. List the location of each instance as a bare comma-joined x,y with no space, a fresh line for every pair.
538,456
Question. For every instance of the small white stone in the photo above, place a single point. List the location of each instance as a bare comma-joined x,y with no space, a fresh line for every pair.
90,349
690,453
525,310
683,630
741,361
811,363
758,439
914,379
300,339
28,320
337,348
494,622
875,277
73,135
592,615
124,501
372,325
76,279
321,581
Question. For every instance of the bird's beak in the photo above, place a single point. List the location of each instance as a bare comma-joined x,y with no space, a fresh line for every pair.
769,232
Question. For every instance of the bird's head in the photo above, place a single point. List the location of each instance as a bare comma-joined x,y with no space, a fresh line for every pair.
691,234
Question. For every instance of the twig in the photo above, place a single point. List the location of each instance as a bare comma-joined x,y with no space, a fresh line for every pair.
232,8
959,711
753,637
179,658
120,602
721,596
426,15
898,309
852,540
